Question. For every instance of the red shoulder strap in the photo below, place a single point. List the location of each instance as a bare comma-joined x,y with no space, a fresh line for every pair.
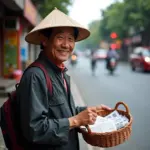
48,80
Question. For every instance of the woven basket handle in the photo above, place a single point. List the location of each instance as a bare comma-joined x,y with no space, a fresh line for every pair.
122,103
88,129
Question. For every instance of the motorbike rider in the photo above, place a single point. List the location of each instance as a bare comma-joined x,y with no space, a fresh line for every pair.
111,54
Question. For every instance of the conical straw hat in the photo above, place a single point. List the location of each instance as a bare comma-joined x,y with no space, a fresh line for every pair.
55,19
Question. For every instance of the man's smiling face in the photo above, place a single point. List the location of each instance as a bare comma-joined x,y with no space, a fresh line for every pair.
61,43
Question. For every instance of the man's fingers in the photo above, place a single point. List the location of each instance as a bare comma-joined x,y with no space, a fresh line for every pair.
92,120
92,114
105,107
92,109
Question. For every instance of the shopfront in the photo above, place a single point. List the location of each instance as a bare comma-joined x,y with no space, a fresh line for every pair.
1,46
10,13
19,18
31,14
11,46
1,37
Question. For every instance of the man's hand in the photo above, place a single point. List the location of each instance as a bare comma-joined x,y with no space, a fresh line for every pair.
102,107
85,117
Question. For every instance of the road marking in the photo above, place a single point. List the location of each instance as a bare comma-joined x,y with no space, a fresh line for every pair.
78,100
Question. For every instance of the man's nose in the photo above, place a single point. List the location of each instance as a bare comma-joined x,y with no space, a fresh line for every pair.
65,43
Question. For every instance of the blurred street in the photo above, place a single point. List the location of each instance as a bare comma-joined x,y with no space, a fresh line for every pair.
127,86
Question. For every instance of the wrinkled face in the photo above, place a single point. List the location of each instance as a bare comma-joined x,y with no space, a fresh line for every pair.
61,43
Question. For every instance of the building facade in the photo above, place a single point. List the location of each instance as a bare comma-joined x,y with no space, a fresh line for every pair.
17,18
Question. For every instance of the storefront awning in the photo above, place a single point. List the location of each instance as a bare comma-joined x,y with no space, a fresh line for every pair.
16,5
30,13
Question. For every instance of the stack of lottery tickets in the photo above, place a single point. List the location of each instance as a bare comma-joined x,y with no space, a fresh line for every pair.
109,123
119,120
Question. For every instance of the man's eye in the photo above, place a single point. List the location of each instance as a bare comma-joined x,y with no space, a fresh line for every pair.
60,37
71,39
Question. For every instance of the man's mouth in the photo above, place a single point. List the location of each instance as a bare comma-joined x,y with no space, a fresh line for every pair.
63,51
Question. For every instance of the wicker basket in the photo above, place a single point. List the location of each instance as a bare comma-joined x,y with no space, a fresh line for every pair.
109,139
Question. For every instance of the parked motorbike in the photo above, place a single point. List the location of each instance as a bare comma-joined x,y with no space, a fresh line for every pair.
112,65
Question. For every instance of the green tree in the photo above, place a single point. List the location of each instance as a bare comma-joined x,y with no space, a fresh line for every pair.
46,6
114,21
93,41
138,12
120,17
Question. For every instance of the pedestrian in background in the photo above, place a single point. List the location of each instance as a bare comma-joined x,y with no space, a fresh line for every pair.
93,62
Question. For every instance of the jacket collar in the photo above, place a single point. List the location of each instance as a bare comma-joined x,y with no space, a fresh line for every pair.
43,57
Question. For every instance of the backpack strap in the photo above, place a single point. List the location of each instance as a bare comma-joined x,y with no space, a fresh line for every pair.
48,80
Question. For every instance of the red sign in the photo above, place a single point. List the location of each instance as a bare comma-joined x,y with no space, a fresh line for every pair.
113,46
113,35
30,12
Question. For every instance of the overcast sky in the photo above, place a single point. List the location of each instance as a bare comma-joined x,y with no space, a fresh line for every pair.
84,11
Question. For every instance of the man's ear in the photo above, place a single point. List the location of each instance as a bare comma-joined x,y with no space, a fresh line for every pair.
44,43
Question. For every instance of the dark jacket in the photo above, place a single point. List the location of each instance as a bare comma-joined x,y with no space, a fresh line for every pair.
44,117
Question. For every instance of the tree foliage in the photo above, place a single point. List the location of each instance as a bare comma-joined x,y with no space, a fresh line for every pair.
120,17
93,40
113,18
125,18
46,6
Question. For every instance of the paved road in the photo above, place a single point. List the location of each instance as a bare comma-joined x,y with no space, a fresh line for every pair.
131,87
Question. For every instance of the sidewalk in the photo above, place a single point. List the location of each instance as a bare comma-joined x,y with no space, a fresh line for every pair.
6,85
79,102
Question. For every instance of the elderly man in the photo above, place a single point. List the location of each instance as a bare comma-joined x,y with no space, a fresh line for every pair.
50,122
